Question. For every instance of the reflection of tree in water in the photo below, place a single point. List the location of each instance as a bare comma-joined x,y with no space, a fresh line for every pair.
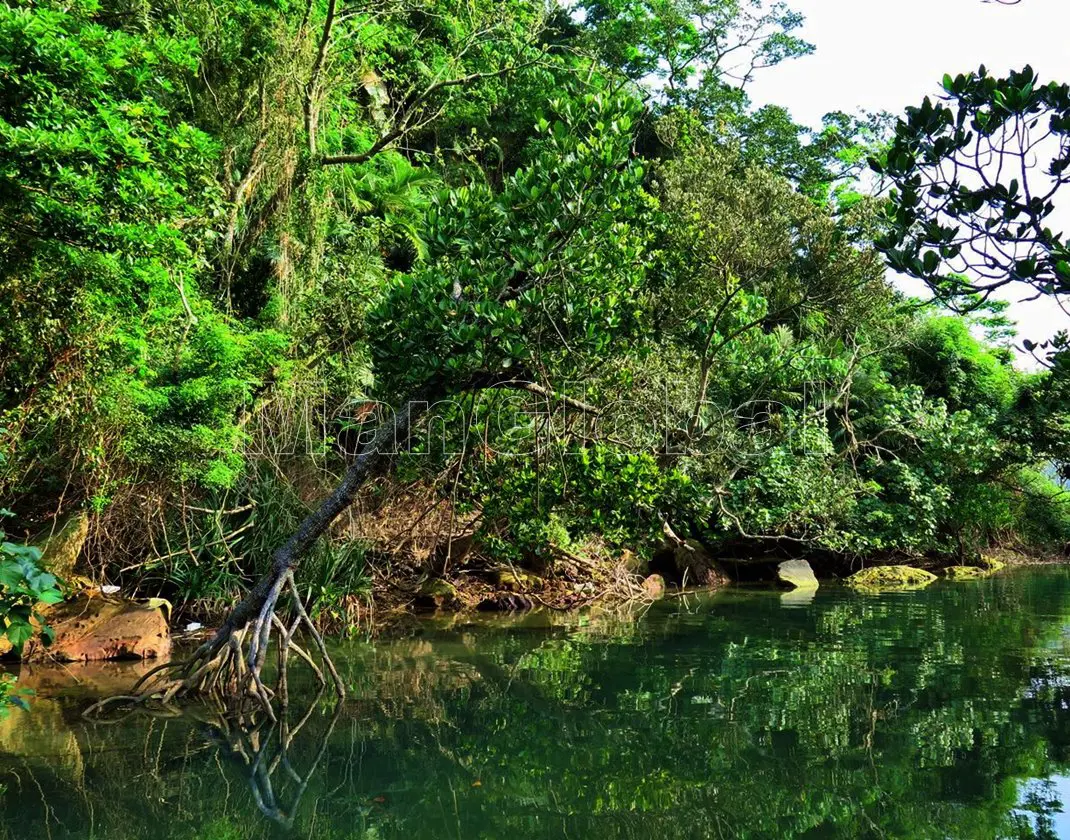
178,774
904,717
915,716
263,750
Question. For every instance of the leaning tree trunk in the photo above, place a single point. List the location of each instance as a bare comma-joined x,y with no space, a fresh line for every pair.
231,662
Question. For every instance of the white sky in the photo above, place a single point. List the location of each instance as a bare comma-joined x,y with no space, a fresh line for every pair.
877,55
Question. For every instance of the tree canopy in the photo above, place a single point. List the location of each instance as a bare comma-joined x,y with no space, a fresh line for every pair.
240,237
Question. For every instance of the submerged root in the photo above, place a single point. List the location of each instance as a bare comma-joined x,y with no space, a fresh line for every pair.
229,666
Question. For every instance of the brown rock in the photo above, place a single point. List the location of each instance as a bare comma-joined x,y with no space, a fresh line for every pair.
89,629
654,587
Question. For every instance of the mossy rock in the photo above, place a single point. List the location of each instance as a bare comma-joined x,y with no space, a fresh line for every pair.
61,548
991,563
516,580
439,588
890,577
436,594
966,572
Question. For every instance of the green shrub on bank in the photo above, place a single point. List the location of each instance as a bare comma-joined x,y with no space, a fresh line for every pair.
1042,509
24,588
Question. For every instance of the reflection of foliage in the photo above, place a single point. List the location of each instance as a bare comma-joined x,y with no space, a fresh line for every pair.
1038,804
229,227
911,716
9,696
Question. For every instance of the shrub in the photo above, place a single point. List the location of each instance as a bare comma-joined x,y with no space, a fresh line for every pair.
23,587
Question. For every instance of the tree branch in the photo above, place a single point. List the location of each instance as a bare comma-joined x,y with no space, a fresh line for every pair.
536,388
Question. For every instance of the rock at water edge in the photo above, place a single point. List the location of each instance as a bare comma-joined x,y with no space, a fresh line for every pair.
796,574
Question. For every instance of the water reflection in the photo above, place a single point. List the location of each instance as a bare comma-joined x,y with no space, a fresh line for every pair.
798,598
939,713
265,751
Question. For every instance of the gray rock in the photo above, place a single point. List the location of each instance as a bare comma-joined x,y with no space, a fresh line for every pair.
796,574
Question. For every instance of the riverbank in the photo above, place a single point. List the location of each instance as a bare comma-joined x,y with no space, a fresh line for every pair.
575,581
406,567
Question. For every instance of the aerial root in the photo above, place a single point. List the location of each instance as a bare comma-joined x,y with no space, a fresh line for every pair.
227,668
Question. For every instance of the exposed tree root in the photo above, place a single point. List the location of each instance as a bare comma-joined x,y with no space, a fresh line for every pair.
230,665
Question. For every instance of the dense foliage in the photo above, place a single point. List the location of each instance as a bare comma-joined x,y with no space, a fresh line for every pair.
232,229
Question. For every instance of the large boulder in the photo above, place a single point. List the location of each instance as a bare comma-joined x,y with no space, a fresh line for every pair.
696,566
93,628
796,574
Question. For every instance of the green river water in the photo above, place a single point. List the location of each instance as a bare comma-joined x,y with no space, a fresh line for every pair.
940,713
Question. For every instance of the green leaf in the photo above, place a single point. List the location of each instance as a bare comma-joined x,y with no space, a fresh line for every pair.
19,632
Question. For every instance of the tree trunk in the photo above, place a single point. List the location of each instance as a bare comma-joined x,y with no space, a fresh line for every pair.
231,661
371,460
